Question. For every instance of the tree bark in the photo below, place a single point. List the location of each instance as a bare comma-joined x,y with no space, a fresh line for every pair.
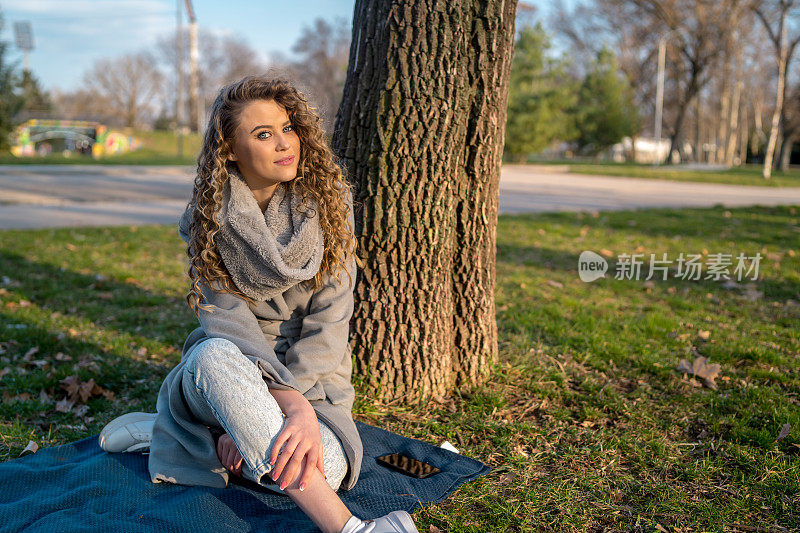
776,115
730,151
420,131
786,152
724,111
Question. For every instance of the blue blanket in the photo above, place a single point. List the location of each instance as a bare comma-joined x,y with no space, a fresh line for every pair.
79,487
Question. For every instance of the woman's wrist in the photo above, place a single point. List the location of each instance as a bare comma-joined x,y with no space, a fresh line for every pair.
291,401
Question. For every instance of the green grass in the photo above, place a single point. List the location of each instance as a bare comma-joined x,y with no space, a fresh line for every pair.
586,422
746,175
158,148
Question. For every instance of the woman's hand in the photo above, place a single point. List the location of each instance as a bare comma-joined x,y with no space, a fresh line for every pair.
229,455
302,449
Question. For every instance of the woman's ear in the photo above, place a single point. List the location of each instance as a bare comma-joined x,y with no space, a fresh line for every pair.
231,157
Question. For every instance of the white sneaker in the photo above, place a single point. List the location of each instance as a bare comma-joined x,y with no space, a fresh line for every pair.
128,433
394,522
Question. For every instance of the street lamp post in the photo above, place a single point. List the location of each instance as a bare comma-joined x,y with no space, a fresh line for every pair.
662,52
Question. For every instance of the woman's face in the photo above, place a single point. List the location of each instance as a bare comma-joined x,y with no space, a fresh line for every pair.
265,137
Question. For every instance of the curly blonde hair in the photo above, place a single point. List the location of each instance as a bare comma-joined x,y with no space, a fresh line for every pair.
319,175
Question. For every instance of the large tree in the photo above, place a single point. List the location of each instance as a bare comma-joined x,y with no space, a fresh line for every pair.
131,85
322,49
420,130
606,111
776,16
540,96
222,60
11,101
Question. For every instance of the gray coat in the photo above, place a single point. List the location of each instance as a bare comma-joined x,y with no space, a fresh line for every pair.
299,341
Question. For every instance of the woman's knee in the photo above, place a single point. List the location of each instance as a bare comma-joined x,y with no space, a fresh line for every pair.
209,355
333,457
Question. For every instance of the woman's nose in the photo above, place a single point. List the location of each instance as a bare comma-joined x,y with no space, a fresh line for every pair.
283,143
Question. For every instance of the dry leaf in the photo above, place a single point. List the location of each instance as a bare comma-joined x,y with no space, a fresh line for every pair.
44,397
71,384
751,293
556,284
29,353
507,478
701,369
60,356
31,447
64,405
434,529
785,430
703,334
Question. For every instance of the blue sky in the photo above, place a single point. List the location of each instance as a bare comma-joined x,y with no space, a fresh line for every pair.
69,35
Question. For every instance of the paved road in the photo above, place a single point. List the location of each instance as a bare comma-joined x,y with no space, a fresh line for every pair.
89,195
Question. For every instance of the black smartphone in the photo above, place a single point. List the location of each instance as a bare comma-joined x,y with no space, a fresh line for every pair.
408,465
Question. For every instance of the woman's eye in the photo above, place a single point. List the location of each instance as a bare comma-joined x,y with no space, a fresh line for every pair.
289,127
262,133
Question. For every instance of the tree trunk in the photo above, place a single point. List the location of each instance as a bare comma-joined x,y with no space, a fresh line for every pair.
420,130
676,140
698,138
724,111
776,115
744,135
730,150
786,152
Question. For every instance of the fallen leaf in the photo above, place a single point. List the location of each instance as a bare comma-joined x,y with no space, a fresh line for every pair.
785,430
71,384
703,334
65,405
701,369
31,447
29,353
750,292
556,284
507,478
434,529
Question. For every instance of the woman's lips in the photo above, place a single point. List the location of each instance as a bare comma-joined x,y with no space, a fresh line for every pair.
285,161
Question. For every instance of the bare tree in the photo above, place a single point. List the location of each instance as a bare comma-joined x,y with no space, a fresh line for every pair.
790,121
130,85
775,16
85,104
321,69
222,60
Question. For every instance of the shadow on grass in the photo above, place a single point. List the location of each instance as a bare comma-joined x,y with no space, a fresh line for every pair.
101,324
122,306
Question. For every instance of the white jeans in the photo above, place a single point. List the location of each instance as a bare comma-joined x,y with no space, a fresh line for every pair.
224,389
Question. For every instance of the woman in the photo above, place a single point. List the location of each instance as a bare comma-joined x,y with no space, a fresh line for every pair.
268,231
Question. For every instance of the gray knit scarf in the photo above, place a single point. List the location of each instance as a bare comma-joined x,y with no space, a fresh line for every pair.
267,253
